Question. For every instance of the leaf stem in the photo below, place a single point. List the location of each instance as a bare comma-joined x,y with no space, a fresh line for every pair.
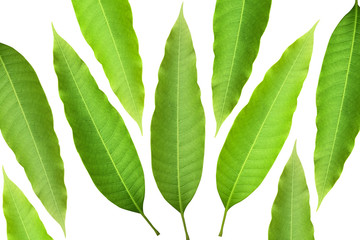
222,224
184,224
152,226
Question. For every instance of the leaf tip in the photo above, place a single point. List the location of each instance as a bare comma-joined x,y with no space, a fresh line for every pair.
181,14
4,174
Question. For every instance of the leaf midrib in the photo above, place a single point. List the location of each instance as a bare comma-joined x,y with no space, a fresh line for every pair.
177,121
232,62
17,209
262,125
98,132
32,138
342,102
121,63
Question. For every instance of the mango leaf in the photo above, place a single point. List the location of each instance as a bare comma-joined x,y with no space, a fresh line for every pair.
238,27
107,26
26,122
22,220
261,128
178,123
100,135
291,218
338,103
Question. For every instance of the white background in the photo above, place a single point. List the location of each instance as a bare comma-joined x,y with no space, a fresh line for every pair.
26,26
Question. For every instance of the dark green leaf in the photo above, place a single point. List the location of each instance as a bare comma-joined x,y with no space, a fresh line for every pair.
26,122
338,103
100,135
178,123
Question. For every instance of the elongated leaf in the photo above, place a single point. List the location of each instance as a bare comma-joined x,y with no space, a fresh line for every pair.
291,210
261,128
178,123
338,102
107,27
26,123
238,27
22,220
100,135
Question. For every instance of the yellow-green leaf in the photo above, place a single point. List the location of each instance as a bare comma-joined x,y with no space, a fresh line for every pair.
261,128
23,222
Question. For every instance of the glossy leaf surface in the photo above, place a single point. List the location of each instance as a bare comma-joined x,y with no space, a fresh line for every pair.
23,222
178,123
291,218
238,27
107,26
261,128
338,102
26,122
100,135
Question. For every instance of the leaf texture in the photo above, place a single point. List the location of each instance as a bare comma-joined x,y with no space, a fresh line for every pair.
100,135
338,103
178,123
26,122
23,222
291,218
238,27
107,26
261,128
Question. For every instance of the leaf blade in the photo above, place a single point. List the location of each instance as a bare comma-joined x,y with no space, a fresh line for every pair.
339,86
117,49
23,221
290,213
100,135
261,128
25,110
178,123
238,27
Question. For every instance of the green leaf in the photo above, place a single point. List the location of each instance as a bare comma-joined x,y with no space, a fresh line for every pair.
291,210
238,27
22,220
338,103
261,128
178,123
107,26
100,135
26,122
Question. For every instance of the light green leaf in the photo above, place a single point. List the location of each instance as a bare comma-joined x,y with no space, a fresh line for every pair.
291,210
99,132
26,122
338,103
107,26
23,222
178,123
261,128
238,27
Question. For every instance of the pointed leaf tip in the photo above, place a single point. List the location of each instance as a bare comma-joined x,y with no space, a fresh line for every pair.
291,214
251,144
23,222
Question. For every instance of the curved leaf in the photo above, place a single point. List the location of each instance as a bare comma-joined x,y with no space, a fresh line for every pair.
99,132
22,220
178,123
238,27
261,128
26,122
107,27
338,102
291,218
